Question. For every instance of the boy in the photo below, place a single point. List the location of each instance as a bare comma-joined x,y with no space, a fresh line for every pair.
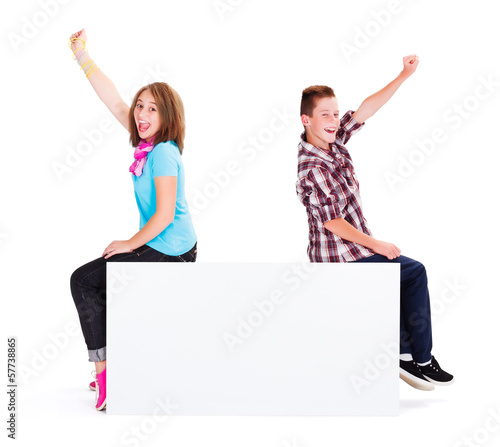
327,186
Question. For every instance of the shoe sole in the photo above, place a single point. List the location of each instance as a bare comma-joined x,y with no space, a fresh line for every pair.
102,407
435,382
415,382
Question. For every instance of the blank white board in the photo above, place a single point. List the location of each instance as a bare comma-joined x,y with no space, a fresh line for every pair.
252,339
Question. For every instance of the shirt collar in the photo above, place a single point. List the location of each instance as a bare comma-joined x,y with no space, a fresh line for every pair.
324,154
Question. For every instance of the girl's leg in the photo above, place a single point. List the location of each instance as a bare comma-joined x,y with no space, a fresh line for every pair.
88,287
100,366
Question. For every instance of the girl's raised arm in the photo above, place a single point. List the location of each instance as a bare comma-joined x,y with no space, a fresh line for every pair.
103,86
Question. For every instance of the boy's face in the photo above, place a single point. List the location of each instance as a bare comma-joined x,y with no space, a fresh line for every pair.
322,126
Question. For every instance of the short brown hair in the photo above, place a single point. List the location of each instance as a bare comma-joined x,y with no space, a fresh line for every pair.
310,95
171,110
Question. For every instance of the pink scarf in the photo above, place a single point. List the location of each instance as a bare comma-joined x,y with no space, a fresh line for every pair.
140,155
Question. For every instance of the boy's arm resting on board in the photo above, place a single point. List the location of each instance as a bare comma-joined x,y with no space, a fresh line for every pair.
326,198
374,102
345,230
102,85
166,192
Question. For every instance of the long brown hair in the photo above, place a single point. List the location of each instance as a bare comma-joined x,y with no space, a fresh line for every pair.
171,110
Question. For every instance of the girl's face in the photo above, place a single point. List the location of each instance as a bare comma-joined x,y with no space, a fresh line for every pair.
147,118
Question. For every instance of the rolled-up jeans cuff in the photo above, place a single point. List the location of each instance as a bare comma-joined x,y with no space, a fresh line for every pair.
97,355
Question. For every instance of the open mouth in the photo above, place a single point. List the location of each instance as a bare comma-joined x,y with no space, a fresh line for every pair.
330,130
144,126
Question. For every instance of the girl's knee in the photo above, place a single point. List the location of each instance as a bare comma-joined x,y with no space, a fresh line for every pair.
76,277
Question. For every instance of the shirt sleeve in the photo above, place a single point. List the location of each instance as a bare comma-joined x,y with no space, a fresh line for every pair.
348,127
165,160
326,197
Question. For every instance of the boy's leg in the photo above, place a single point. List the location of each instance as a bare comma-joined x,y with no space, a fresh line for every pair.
415,315
404,337
416,308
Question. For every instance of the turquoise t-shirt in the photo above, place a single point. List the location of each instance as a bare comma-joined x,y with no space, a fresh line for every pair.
179,237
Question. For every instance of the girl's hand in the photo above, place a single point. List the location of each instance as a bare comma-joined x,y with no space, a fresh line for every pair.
117,247
410,64
78,43
390,251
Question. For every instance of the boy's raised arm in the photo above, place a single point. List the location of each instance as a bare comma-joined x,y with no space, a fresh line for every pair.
371,104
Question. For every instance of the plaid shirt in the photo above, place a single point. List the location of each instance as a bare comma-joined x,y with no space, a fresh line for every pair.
327,186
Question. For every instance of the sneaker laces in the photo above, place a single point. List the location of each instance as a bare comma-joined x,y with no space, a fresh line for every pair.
416,365
434,364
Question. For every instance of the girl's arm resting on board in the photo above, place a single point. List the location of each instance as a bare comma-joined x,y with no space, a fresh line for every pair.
166,193
102,85
345,230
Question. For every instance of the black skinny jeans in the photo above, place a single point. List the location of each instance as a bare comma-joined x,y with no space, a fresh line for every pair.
88,287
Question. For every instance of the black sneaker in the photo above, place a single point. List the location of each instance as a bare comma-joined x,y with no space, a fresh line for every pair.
434,374
410,372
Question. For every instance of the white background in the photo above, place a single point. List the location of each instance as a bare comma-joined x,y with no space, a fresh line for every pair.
233,69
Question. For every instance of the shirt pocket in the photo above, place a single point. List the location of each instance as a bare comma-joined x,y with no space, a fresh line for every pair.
350,177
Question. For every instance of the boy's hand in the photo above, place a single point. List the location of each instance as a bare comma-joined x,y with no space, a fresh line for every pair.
410,64
390,251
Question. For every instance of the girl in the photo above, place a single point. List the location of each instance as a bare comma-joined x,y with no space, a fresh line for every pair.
156,124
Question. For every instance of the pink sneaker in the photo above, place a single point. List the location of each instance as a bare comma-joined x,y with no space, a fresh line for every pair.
92,386
100,390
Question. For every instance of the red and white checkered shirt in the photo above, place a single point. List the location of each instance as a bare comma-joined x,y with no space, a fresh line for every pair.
327,186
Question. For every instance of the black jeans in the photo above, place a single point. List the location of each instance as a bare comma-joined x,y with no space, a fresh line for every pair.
88,287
